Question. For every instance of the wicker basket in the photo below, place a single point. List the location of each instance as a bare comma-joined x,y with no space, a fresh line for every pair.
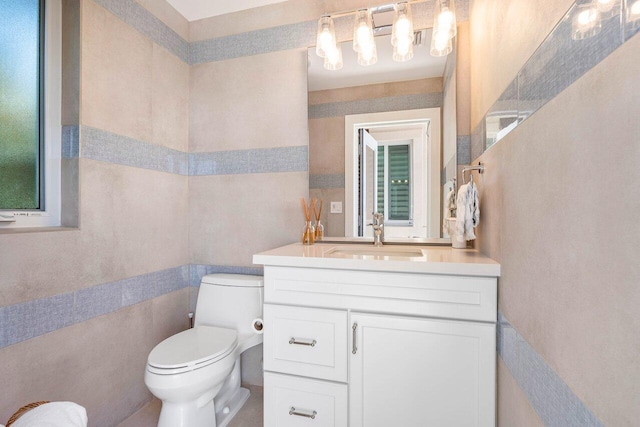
24,409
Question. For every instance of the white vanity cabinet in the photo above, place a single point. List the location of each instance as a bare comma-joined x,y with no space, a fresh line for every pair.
421,372
367,343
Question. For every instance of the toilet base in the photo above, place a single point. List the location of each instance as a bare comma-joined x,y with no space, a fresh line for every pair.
225,414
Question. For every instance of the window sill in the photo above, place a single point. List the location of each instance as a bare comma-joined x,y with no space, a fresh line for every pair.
24,230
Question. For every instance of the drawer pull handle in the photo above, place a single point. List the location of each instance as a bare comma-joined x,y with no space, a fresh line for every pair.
355,338
294,411
307,343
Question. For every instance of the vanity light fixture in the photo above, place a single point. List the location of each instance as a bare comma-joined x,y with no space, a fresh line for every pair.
586,21
444,28
402,34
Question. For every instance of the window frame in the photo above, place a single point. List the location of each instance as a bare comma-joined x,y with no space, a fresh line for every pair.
50,132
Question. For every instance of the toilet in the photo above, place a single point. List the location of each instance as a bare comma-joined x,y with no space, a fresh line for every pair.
196,373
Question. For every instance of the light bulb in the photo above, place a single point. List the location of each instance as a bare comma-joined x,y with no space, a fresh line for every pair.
362,35
587,17
445,19
402,24
326,37
586,21
635,10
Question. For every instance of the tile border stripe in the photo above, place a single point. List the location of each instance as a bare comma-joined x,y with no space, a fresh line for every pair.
139,18
97,144
556,64
30,319
376,105
291,36
552,399
104,146
23,321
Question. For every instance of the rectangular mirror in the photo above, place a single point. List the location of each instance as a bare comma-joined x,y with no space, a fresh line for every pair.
380,139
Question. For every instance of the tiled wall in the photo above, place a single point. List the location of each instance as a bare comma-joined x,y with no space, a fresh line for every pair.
556,64
190,158
568,352
81,308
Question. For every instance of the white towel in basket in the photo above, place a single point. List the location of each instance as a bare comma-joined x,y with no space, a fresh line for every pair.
54,414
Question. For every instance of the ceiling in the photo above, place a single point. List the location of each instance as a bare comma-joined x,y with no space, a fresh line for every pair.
200,9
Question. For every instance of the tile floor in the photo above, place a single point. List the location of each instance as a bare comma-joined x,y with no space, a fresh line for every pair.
249,416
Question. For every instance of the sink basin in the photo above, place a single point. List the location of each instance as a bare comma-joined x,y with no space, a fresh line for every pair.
375,252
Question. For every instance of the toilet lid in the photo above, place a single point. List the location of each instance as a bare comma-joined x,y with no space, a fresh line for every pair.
192,347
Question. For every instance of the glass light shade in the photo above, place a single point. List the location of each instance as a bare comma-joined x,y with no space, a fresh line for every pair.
368,56
444,19
441,44
333,58
586,21
402,29
608,8
326,37
362,31
403,51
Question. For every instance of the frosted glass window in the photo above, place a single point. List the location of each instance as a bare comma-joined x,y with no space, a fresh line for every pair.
20,104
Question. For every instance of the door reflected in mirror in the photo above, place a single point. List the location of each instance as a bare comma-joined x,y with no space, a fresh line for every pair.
392,166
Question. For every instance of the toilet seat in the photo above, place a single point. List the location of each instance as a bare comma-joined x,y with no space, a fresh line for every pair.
192,349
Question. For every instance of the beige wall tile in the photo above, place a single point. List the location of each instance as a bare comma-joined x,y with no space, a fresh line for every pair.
381,90
133,222
463,79
169,100
326,145
252,102
333,223
116,75
100,364
136,216
501,48
514,408
233,217
569,268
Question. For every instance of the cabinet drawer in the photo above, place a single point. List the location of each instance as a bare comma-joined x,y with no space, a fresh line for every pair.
433,295
306,341
292,401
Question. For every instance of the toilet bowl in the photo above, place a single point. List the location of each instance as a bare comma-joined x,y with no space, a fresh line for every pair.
196,373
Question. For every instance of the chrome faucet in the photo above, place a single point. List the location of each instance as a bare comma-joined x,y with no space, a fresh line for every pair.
378,229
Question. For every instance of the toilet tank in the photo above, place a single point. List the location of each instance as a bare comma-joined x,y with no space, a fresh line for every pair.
229,301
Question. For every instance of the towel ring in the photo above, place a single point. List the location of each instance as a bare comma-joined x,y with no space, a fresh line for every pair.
479,168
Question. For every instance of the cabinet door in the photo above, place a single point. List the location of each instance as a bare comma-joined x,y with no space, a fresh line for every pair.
421,372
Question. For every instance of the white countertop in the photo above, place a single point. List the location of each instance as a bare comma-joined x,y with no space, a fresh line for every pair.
434,259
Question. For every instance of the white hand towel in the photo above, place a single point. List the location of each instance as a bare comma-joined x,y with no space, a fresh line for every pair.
467,212
461,210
